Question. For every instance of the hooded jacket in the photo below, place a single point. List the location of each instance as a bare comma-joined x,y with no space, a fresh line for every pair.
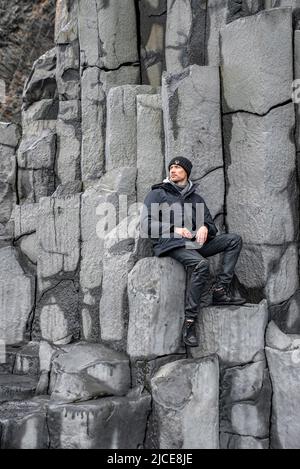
166,208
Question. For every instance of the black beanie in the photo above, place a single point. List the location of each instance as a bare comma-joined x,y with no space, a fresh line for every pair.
183,162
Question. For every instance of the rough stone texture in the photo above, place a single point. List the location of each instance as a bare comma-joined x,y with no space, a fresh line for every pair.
262,194
142,371
58,235
286,3
193,27
107,33
263,78
122,249
96,83
121,131
85,371
185,405
66,21
68,142
191,105
283,361
27,360
67,71
261,148
36,165
27,30
41,83
43,110
150,144
23,425
16,388
234,333
25,219
245,403
95,225
9,136
156,309
228,441
287,314
17,295
108,423
153,17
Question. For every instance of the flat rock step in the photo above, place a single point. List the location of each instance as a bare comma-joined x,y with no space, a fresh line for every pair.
15,387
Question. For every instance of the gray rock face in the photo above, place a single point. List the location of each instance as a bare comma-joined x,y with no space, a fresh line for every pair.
95,225
191,105
58,234
17,297
269,198
27,360
263,78
36,162
121,131
193,27
96,83
185,410
67,71
228,441
9,136
150,144
66,21
246,402
41,83
85,371
153,17
142,371
25,219
262,194
156,309
121,252
235,334
68,142
283,363
115,423
23,425
57,314
18,388
107,33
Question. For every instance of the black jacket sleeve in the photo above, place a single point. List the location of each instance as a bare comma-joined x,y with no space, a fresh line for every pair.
209,223
151,224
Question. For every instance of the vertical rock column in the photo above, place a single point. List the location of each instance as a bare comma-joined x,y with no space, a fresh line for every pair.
193,27
108,57
236,335
150,144
153,17
262,189
9,138
58,232
192,118
100,213
68,84
37,151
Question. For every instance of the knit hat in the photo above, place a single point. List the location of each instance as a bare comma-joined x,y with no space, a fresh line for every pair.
183,162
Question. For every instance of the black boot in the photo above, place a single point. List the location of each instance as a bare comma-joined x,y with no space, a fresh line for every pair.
223,296
189,333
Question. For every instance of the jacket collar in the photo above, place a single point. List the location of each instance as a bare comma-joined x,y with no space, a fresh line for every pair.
169,187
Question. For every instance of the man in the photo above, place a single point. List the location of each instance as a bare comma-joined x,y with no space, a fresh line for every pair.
190,245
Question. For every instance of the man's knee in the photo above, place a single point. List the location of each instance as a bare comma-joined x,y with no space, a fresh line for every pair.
236,239
202,267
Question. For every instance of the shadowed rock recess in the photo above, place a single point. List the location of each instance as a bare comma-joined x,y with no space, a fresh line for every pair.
91,354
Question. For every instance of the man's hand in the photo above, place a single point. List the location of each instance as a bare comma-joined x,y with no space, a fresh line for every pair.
202,234
184,232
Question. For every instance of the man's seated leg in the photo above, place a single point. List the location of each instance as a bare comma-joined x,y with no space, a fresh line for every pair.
231,245
192,258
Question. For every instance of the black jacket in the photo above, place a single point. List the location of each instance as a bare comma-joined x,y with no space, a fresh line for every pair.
160,228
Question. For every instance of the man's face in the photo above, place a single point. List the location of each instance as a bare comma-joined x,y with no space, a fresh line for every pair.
178,174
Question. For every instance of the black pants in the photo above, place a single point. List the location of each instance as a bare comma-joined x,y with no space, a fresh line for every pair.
230,244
